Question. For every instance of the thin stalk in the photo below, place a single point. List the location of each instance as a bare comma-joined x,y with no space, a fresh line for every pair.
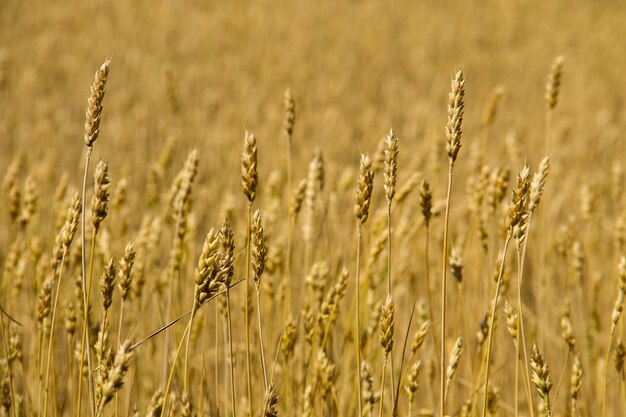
393,378
247,306
6,356
85,343
83,231
606,373
230,347
558,386
193,313
168,310
358,320
217,357
382,388
520,307
171,375
444,268
517,359
290,225
258,303
491,323
119,341
50,339
40,363
428,291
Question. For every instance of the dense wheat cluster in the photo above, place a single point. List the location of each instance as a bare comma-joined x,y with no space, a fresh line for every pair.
312,209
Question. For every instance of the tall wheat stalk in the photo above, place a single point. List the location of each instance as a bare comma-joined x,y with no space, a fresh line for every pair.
365,185
249,180
453,145
92,130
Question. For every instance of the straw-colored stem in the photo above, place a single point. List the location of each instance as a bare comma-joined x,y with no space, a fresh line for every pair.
50,338
442,404
558,386
83,278
358,320
382,388
6,357
247,306
85,342
517,359
606,372
168,309
263,365
119,341
431,316
520,309
194,308
491,324
290,227
217,358
393,378
171,374
231,359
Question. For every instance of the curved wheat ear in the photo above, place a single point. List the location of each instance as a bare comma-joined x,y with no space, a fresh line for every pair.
364,190
576,383
249,174
420,336
271,402
412,382
387,324
512,317
391,165
455,116
290,114
538,183
518,214
71,222
125,276
456,264
289,339
455,356
541,377
94,104
259,248
426,201
206,276
226,253
618,356
114,378
107,284
567,332
553,86
100,200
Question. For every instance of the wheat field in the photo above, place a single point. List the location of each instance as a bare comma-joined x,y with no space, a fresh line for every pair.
312,208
